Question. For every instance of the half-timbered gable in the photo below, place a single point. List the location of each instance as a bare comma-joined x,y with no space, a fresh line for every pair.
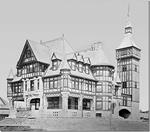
30,63
27,55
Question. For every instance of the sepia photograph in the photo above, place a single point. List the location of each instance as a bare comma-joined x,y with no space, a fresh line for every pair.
74,65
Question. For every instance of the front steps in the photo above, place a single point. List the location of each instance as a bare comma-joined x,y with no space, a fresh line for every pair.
78,124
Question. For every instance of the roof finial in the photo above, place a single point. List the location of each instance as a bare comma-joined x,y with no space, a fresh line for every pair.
128,10
128,27
63,35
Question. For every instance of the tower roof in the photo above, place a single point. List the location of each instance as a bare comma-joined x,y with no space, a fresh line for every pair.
127,40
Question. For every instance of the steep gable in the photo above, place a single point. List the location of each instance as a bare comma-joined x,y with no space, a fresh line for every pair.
27,54
35,51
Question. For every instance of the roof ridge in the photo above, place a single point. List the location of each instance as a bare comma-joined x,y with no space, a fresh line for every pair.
51,40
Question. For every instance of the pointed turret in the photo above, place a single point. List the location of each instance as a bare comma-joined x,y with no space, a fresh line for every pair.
10,75
128,27
128,32
64,64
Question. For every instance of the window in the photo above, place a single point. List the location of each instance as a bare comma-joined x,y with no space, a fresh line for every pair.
135,84
32,85
86,85
28,54
98,114
80,67
38,85
99,103
124,84
73,65
54,65
99,87
124,101
106,103
50,83
19,72
135,68
25,85
53,103
65,81
72,103
86,104
90,86
17,88
124,68
87,69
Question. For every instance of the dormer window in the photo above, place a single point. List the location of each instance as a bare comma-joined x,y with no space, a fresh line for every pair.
128,30
80,67
72,65
54,65
86,69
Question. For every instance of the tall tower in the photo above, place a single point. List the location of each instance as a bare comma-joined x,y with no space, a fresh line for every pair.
128,57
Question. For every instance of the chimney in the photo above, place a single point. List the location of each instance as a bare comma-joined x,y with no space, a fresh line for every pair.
96,46
40,41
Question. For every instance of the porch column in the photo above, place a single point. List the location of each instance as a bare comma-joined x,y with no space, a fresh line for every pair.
93,104
60,102
12,113
41,103
11,103
65,96
45,104
80,106
80,102
28,103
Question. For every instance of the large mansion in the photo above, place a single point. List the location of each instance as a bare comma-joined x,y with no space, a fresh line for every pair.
53,80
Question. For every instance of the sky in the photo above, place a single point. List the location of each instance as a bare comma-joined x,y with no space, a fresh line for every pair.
81,22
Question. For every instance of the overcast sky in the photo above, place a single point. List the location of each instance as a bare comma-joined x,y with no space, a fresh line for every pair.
81,21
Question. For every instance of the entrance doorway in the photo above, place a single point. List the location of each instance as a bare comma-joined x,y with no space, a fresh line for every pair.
35,104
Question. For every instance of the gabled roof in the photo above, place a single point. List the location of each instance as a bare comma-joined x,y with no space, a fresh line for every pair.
53,57
87,60
72,56
80,58
41,52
